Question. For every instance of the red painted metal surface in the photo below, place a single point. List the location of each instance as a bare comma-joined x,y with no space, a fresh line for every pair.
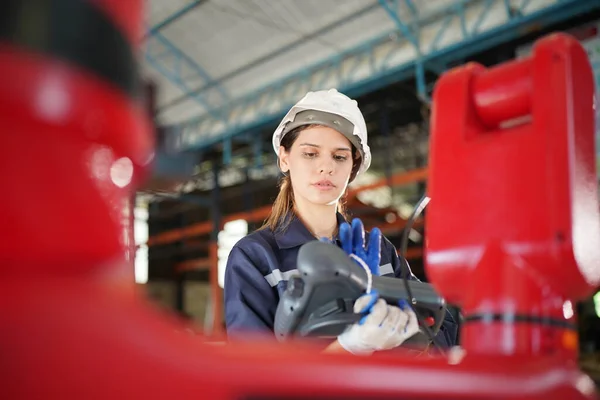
75,327
514,213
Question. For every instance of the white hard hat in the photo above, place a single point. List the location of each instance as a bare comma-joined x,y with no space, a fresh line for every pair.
332,109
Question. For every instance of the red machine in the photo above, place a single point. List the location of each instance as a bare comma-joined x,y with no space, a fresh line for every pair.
514,215
511,228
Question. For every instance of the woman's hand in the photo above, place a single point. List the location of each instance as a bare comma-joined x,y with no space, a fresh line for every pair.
353,242
384,326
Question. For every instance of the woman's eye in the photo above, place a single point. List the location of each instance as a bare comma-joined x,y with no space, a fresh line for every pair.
340,158
309,155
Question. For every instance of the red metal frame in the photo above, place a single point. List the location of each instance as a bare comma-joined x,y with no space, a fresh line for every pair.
75,327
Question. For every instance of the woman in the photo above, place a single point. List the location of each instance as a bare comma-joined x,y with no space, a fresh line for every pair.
321,146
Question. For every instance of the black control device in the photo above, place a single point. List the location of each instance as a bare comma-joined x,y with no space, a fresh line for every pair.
319,299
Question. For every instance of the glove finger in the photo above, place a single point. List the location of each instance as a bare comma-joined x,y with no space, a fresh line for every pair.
403,304
388,334
412,324
346,237
374,251
377,315
392,320
396,334
365,302
402,321
358,237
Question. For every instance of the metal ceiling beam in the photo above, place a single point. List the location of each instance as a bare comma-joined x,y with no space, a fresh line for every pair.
392,8
268,57
174,17
178,67
480,25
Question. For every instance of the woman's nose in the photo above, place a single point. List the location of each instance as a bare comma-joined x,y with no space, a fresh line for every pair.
326,168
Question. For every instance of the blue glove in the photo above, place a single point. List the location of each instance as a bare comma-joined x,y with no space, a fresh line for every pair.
353,242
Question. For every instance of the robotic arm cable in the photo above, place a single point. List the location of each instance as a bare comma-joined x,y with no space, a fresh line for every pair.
421,204
367,270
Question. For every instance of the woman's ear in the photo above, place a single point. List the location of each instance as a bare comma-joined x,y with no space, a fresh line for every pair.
283,160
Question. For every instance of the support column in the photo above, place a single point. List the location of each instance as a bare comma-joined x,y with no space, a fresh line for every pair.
249,200
385,129
179,276
180,293
215,290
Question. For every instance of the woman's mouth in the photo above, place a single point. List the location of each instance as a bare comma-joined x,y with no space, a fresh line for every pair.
324,185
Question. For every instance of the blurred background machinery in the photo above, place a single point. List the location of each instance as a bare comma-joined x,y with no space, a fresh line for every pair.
221,73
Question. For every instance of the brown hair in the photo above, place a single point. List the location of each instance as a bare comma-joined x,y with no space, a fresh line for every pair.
284,203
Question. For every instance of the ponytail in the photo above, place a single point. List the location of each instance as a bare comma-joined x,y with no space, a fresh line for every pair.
282,207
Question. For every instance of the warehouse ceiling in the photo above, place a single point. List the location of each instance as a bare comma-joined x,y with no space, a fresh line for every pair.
227,70
228,49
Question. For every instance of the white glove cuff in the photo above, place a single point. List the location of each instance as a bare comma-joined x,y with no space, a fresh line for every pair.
350,343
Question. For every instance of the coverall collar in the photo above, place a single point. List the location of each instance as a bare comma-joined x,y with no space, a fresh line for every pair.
296,234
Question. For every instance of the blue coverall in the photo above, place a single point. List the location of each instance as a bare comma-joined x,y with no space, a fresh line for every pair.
260,264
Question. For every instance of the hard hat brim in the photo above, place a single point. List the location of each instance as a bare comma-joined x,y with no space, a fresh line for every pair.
322,118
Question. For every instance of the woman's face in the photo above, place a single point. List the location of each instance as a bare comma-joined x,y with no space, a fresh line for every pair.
319,163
